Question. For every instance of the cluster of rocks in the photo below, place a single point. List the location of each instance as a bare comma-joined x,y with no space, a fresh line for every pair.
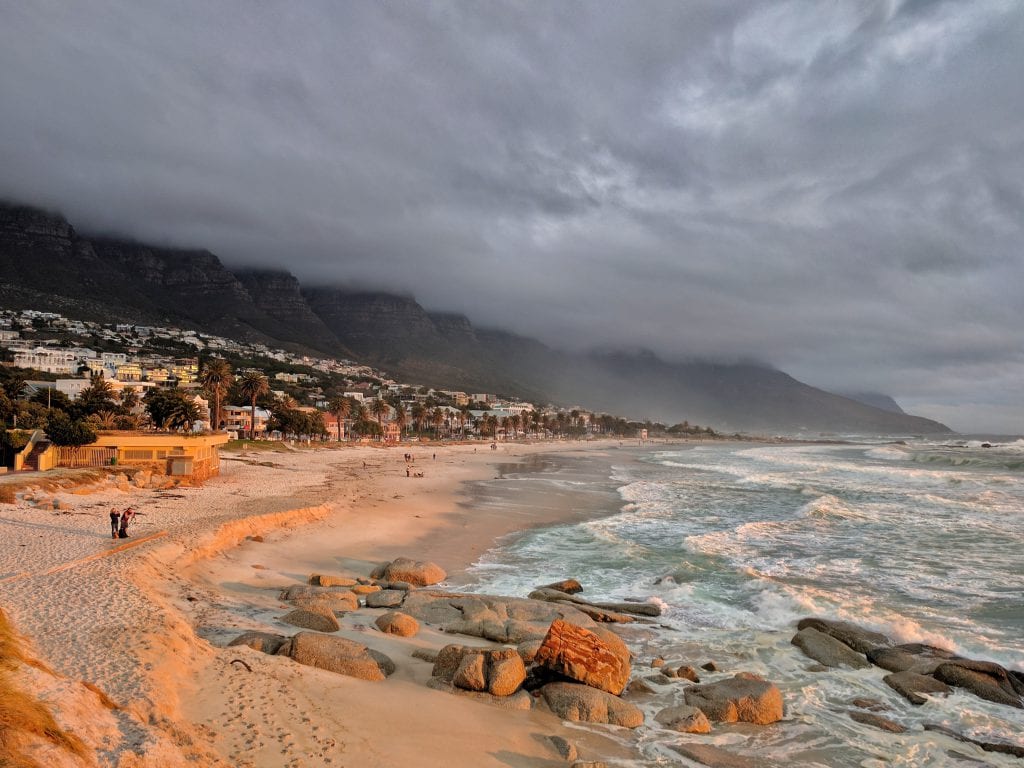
554,649
559,651
318,605
916,671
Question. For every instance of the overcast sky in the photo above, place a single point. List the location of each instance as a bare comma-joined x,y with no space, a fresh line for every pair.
835,188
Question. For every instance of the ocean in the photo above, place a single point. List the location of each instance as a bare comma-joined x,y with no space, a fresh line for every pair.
923,541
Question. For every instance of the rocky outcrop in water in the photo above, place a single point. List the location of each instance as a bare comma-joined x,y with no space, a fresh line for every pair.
572,701
917,668
826,650
508,620
685,719
744,698
594,657
912,686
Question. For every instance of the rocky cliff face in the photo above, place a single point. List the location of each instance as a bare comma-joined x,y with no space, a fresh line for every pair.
454,327
21,225
43,260
179,273
46,263
374,323
279,295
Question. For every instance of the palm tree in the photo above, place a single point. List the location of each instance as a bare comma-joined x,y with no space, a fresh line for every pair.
379,409
463,417
401,417
437,419
216,378
419,413
253,385
98,396
129,399
105,419
184,413
340,407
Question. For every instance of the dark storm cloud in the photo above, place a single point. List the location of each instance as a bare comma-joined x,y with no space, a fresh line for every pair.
835,188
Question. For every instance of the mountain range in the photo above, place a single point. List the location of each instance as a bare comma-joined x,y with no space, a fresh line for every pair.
46,264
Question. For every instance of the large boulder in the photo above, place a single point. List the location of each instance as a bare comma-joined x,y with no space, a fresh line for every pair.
307,592
568,586
505,620
505,671
860,639
910,657
336,654
388,598
743,698
267,642
333,602
321,598
827,650
684,719
911,686
417,573
471,674
395,623
307,618
984,679
635,608
594,657
498,671
581,703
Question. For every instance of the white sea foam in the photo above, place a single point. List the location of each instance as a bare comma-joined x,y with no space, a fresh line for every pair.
888,454
828,506
923,542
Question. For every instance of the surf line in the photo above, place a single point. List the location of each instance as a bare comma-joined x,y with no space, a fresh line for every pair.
81,561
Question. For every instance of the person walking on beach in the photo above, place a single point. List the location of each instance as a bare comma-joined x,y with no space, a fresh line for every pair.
126,517
115,518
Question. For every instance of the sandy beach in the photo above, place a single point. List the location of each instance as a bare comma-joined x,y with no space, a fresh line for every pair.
145,620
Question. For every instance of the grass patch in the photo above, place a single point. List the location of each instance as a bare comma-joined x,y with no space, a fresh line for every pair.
21,715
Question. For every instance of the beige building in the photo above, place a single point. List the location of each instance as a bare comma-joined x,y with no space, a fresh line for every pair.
192,457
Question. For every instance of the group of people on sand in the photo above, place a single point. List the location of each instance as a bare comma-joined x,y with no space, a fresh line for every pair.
119,522
409,461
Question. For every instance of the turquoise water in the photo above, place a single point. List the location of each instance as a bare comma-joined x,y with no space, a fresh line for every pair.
922,541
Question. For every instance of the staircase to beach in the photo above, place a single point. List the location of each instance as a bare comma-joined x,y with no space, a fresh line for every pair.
32,460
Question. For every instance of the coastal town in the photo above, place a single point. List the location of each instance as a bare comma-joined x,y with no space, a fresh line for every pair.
80,382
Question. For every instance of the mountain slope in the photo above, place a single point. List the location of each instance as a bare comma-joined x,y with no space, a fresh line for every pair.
45,264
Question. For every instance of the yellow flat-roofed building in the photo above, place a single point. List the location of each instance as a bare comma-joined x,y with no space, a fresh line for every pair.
193,457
